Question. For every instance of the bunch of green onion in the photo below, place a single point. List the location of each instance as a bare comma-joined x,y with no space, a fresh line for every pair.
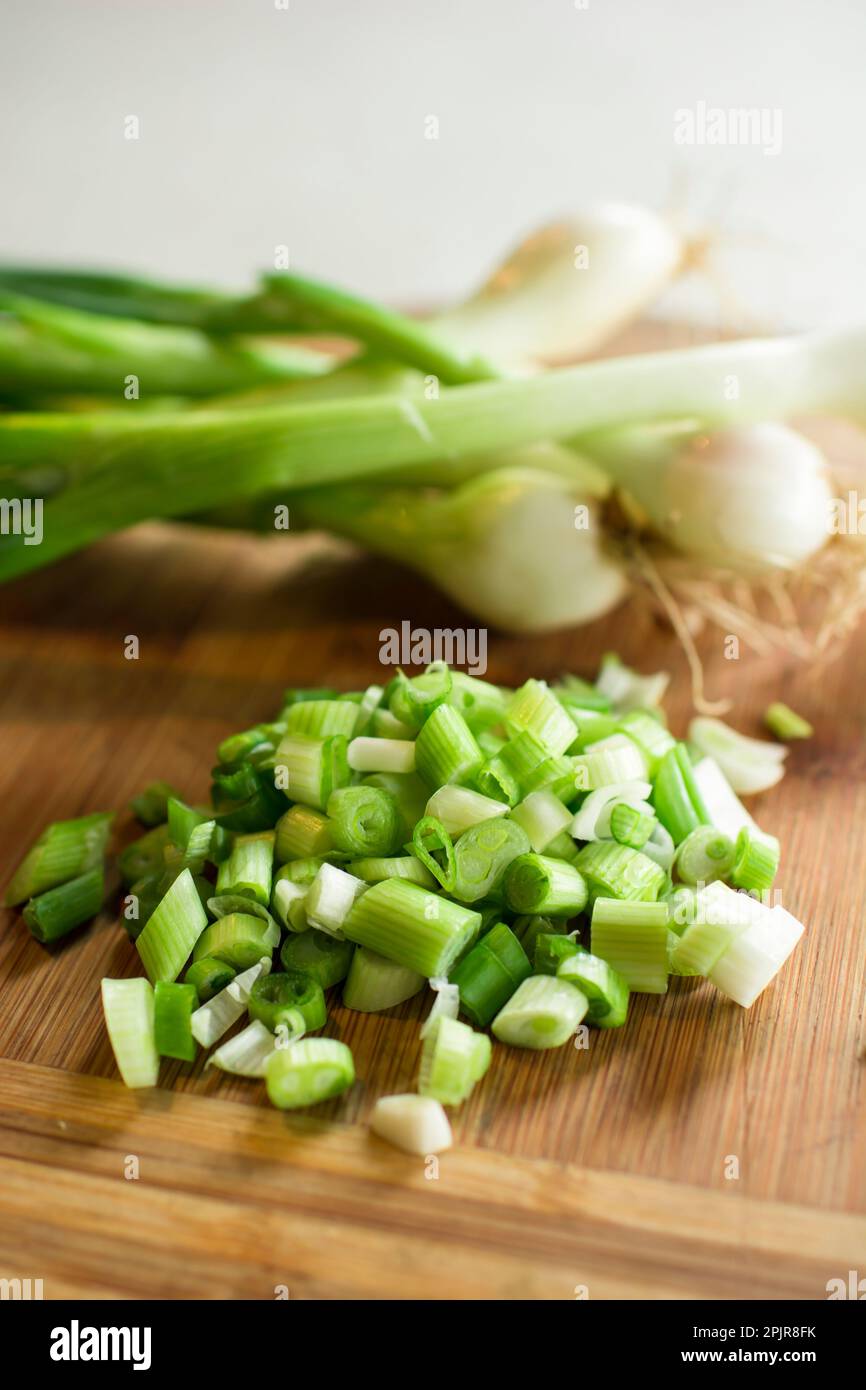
536,856
447,444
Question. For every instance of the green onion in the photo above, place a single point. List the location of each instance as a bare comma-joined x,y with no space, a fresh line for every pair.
716,918
273,997
173,1010
756,861
408,792
369,703
129,1017
239,939
626,689
594,726
482,704
302,833
446,750
404,866
251,745
542,815
535,709
536,884
375,983
64,850
579,694
704,855
650,735
312,768
593,820
562,846
330,898
615,871
208,976
609,761
319,955
453,1059
303,871
320,718
249,868
605,988
724,809
633,938
631,826
58,911
215,1017
756,955
415,1124
681,901
543,1012
749,764
381,755
227,903
458,808
173,930
413,700
247,1053
416,928
151,805
551,949
364,821
289,903
490,973
482,857
677,800
384,725
785,723
429,840
307,1072
529,929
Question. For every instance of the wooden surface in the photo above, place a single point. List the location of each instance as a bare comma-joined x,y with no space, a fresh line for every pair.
603,1169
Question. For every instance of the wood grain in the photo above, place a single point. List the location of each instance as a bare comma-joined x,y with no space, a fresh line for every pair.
603,1167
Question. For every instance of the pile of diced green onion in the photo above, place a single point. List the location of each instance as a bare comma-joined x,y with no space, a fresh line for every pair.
535,855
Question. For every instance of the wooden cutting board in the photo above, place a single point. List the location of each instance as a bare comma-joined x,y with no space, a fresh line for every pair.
606,1173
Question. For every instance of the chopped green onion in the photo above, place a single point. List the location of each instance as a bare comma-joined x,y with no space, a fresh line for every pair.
330,898
593,727
755,956
574,691
446,750
490,973
529,929
289,902
364,821
724,809
151,806
749,764
482,856
535,709
302,833
562,846
247,1053
459,809
445,1005
660,848
415,1124
173,930
173,1010
248,871
302,871
369,703
682,907
631,826
453,1059
215,1017
785,723
610,761
615,871
542,815
375,983
321,718
677,800
227,903
551,949
535,883
756,861
129,1017
65,850
704,855
317,954
628,690
384,725
58,911
312,768
307,1072
408,792
633,938
717,916
412,701
543,1012
605,988
240,939
274,997
404,866
650,735
381,755
208,976
482,704
429,840
416,928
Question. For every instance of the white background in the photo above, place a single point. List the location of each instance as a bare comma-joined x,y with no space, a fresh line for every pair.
261,126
